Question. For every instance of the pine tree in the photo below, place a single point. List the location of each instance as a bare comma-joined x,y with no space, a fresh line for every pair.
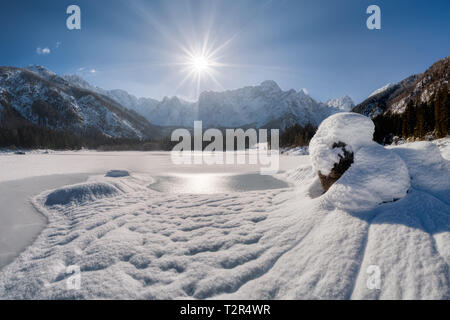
419,130
441,113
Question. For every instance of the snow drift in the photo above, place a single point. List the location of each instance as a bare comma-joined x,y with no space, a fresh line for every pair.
77,194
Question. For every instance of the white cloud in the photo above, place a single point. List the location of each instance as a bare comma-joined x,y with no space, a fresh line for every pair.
44,51
93,71
58,44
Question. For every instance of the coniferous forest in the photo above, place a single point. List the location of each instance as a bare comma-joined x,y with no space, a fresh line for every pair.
418,120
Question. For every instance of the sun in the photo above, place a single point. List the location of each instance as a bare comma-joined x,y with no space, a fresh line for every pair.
200,64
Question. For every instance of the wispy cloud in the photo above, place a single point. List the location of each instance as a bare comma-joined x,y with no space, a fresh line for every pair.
43,51
58,44
86,71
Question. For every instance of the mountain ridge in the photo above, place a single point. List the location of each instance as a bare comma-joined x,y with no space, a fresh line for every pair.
37,96
417,106
261,106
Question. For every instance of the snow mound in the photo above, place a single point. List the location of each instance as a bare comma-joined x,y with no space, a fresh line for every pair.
444,147
353,129
117,173
377,174
81,193
427,168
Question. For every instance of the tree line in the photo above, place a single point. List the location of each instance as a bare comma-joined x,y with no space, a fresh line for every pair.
297,135
418,120
37,137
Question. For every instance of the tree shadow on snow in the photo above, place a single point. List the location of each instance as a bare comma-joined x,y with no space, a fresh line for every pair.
418,210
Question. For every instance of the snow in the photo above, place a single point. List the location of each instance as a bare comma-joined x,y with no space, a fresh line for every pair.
353,129
344,103
377,174
444,146
19,222
382,89
290,243
78,194
260,105
296,151
32,88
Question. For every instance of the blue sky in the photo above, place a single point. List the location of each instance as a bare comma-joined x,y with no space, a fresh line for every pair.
323,46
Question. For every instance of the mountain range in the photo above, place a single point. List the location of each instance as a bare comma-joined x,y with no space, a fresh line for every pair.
37,97
253,106
416,106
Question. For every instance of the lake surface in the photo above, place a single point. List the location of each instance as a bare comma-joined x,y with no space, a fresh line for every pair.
20,222
210,183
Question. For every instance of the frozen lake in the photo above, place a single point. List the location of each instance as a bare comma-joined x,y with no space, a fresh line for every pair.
25,176
20,222
210,183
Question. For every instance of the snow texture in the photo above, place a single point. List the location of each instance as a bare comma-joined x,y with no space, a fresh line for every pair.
78,194
289,243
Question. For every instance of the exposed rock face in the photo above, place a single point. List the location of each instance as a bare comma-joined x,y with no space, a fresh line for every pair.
37,97
345,161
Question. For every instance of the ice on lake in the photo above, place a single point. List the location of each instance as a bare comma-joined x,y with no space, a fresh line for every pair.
211,183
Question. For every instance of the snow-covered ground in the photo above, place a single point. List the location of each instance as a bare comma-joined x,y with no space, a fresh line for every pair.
130,241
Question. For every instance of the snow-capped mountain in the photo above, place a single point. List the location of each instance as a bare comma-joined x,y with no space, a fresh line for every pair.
344,103
172,111
382,89
37,96
416,89
265,105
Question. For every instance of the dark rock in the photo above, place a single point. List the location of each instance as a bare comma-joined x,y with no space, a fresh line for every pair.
338,169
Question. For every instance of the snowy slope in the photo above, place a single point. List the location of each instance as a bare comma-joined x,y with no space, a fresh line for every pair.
416,89
382,89
135,243
40,97
168,112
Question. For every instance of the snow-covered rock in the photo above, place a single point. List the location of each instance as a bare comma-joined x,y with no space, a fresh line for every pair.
377,174
352,129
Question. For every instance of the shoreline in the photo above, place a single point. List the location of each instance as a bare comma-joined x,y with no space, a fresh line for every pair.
20,222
